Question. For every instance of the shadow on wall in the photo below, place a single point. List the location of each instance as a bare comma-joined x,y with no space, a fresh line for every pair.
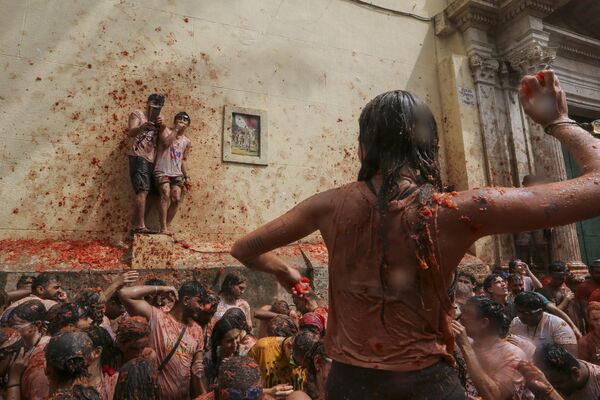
73,83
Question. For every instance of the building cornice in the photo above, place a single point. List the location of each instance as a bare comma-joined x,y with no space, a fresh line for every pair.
574,46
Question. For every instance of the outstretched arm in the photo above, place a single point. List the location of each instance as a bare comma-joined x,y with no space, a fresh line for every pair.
123,279
253,249
133,298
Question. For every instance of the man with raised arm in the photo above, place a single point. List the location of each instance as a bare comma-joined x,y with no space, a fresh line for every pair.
395,240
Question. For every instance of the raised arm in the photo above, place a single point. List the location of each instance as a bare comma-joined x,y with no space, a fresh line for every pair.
167,136
253,249
123,279
133,298
483,212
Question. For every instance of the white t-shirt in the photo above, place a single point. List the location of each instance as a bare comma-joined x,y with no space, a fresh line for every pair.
500,362
527,284
550,330
591,390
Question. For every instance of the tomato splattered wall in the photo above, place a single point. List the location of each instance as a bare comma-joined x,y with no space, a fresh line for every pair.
72,71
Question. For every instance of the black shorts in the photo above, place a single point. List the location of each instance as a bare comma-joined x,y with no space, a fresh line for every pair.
140,173
439,381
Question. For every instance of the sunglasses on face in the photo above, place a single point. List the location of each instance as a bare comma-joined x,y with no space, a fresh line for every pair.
184,118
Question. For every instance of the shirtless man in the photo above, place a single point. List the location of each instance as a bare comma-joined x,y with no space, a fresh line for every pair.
388,329
142,155
170,171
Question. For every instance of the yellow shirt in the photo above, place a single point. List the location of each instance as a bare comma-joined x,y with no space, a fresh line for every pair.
274,365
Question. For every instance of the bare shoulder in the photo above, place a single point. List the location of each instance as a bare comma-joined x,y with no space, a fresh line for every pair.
298,395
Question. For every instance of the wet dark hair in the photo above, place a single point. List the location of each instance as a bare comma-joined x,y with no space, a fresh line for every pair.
25,280
552,357
88,301
514,278
390,140
224,325
241,373
31,311
305,343
489,280
60,316
528,301
231,279
238,317
494,312
42,280
67,353
156,98
115,298
138,380
132,328
557,266
101,338
155,282
77,392
467,275
282,326
499,271
182,115
512,264
310,385
192,289
280,307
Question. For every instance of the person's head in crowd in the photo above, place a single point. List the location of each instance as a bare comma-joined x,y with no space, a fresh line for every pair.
11,344
517,266
225,339
484,318
495,286
515,283
562,370
155,99
68,355
478,290
114,308
594,270
307,302
500,271
92,304
77,392
558,272
238,317
318,365
105,351
529,308
138,380
466,278
282,326
25,282
29,320
195,303
213,300
234,285
312,322
182,121
280,307
133,336
303,343
157,300
593,316
46,286
463,293
239,378
65,316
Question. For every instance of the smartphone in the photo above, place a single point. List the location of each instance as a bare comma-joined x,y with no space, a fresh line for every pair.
154,113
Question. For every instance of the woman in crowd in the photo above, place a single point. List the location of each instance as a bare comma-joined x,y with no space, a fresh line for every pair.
232,290
102,375
138,380
225,341
247,340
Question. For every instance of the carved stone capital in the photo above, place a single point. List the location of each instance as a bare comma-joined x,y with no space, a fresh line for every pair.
480,14
532,57
484,70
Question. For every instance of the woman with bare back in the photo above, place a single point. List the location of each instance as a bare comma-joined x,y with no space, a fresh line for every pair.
395,240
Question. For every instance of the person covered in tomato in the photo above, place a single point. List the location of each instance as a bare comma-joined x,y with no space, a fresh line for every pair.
395,239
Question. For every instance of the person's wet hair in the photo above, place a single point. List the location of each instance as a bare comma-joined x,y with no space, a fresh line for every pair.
60,316
528,301
512,264
88,301
240,375
489,281
238,317
557,266
157,99
24,281
77,392
280,307
138,380
32,311
553,357
101,338
310,386
282,325
231,279
155,282
193,289
304,344
67,355
494,312
221,328
514,278
182,115
131,329
467,275
42,280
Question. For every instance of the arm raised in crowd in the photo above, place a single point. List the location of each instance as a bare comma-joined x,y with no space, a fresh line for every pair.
133,298
123,279
495,210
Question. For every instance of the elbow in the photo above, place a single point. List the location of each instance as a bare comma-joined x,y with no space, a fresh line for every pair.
237,252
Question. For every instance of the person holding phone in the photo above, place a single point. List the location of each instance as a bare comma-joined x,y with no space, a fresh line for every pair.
144,127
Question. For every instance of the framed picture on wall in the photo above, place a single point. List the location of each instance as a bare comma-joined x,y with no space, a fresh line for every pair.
245,136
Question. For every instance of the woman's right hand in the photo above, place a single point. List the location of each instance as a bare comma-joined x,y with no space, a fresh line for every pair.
542,98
